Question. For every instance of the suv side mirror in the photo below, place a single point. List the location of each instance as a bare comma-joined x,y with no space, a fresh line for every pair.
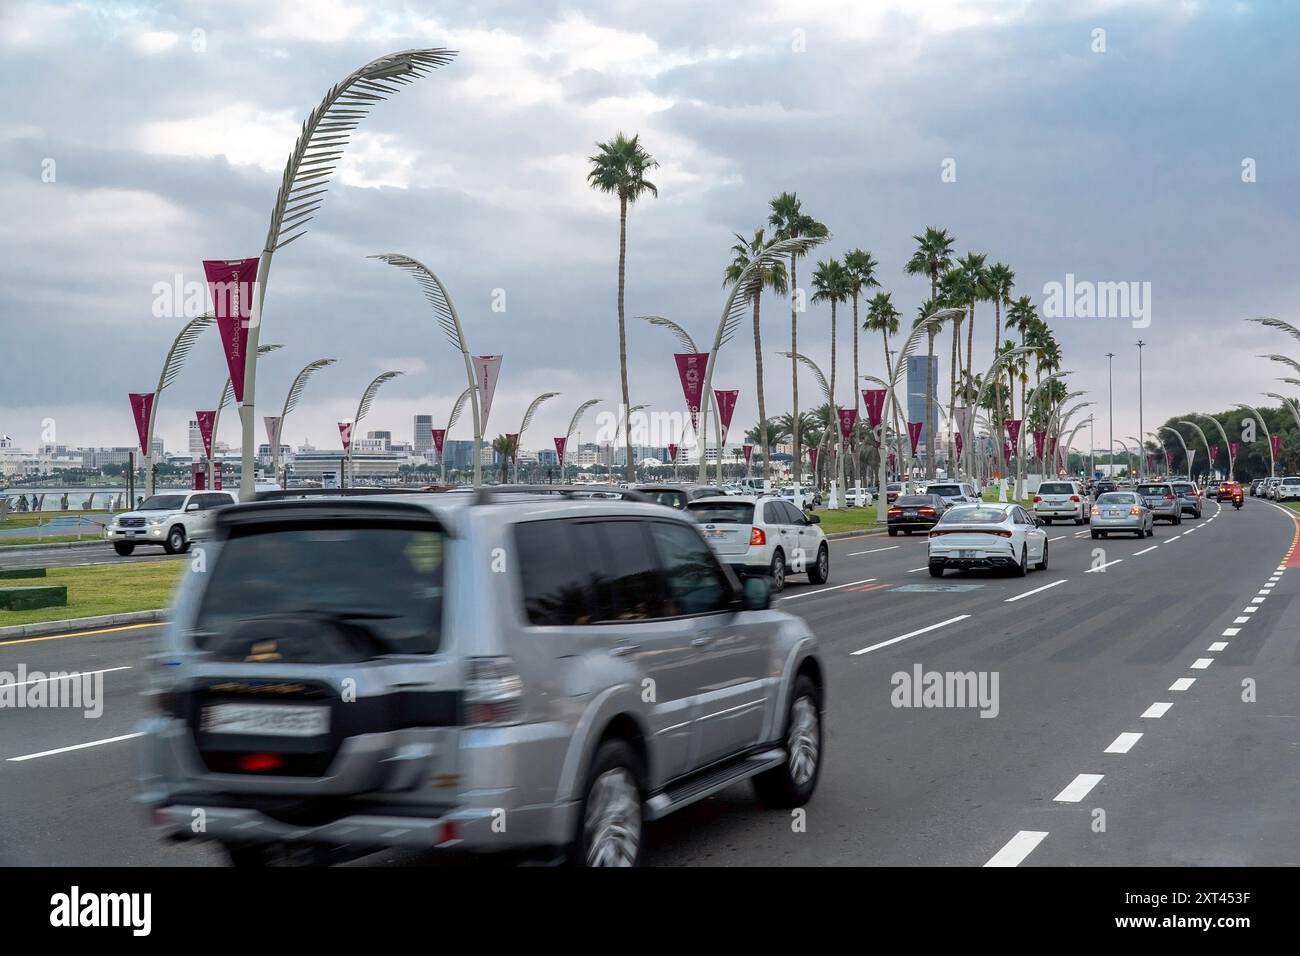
814,518
192,506
758,594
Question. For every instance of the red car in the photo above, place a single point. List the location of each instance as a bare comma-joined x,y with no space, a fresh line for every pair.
1230,490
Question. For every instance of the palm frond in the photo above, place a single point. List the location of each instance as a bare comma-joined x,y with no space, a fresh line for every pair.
228,392
1289,404
457,407
1284,359
180,349
532,410
1272,323
325,135
812,366
300,382
368,396
573,422
682,335
750,281
434,292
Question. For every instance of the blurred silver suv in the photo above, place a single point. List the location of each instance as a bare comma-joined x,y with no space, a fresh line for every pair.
528,669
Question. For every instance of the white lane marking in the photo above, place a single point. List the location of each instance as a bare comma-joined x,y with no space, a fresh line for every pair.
894,547
74,674
64,750
791,597
1078,788
1035,591
1138,554
1059,537
1265,591
1017,848
914,570
1217,646
1231,631
1123,743
1240,620
1258,600
903,637
1174,538
1103,567
1201,663
1156,710
1080,534
1182,683
1249,610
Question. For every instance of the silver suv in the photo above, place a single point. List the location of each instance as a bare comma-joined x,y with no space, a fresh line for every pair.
522,669
1162,501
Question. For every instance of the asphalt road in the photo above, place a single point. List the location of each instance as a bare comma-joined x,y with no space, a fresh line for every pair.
1159,638
56,557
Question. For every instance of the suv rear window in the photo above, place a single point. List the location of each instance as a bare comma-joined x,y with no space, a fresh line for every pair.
722,512
948,491
376,588
1056,488
1152,491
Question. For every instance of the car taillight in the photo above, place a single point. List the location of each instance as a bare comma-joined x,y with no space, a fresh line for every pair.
925,511
260,763
757,537
1074,498
1038,498
1002,534
895,511
1169,497
1096,510
493,691
1134,510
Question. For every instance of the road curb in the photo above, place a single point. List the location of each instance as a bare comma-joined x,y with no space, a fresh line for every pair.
841,535
45,628
97,543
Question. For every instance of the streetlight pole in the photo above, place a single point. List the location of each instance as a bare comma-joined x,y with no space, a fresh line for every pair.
1110,434
1141,458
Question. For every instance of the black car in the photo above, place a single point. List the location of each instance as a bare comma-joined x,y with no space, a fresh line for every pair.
1103,486
679,496
911,513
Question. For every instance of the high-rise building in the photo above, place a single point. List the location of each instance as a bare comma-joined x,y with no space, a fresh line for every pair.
422,441
196,440
916,396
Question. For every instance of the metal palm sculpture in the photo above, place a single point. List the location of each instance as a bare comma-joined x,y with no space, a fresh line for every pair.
290,403
528,419
1272,465
171,368
1197,428
314,158
1188,453
808,363
363,406
451,423
435,293
573,422
688,345
1227,446
1289,404
228,393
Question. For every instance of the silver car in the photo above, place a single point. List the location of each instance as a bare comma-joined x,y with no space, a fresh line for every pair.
1062,501
525,669
1117,512
1162,500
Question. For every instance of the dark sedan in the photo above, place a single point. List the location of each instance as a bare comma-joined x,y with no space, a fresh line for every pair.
911,513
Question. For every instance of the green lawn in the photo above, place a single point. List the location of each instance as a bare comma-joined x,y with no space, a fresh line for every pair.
848,519
28,519
104,589
48,539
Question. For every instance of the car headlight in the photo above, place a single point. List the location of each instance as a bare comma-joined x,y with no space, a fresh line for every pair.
157,521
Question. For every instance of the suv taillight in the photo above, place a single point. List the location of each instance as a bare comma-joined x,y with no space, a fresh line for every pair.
1037,498
1074,498
757,537
493,691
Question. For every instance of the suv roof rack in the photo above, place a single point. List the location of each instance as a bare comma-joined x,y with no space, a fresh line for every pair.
485,494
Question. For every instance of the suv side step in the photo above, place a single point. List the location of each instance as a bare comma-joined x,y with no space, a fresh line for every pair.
710,781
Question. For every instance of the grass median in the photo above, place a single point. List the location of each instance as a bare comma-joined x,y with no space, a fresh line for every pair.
848,519
104,589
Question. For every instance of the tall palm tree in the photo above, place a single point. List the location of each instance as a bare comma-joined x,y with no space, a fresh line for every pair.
1001,281
1021,316
955,291
882,317
772,277
834,284
789,221
862,276
619,167
504,447
933,255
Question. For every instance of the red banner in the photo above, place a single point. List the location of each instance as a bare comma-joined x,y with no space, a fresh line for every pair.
1006,452
748,451
439,439
726,407
672,453
958,440
345,433
1039,437
848,418
874,399
1169,459
690,369
141,406
559,449
1013,431
514,439
812,460
1276,442
206,420
914,432
1233,448
1214,454
232,283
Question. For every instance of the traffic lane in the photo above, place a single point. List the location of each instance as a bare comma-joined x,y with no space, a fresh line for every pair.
78,557
943,785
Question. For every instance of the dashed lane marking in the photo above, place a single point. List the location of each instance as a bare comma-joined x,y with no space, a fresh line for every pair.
1123,743
903,637
1017,848
1078,788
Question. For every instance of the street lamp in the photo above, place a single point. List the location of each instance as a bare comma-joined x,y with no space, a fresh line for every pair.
1140,345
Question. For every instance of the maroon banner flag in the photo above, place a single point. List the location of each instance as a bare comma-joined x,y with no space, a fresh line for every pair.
891,459
345,433
439,439
672,453
848,418
690,369
1276,442
1169,459
914,432
726,407
812,460
1051,450
1214,454
1039,437
957,439
141,406
1006,452
874,399
559,449
748,451
1013,431
206,420
1233,448
232,283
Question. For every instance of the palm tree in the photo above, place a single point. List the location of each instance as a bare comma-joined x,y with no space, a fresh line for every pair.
955,291
862,276
770,430
774,278
834,284
933,255
882,317
504,447
1021,316
789,221
1001,280
619,167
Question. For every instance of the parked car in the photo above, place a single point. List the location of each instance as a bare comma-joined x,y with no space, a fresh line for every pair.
858,497
812,497
914,513
1270,488
987,535
172,520
1255,486
679,496
1161,500
954,492
347,675
1288,489
1189,497
1117,512
765,537
1062,500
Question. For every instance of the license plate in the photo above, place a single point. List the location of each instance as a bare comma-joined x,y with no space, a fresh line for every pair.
965,554
715,534
1114,514
909,514
271,720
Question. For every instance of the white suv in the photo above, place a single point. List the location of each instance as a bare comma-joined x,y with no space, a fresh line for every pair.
1063,501
763,536
1289,488
172,519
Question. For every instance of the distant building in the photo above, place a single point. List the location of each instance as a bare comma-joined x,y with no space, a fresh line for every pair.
916,393
422,441
196,440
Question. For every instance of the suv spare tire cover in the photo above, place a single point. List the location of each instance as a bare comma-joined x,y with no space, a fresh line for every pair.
301,638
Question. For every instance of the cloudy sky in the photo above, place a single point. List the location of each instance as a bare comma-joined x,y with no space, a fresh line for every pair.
164,127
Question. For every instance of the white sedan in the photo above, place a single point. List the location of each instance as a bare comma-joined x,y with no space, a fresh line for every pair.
987,536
